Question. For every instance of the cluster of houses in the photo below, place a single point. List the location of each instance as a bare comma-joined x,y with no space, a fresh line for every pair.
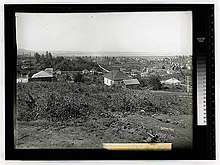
113,77
50,75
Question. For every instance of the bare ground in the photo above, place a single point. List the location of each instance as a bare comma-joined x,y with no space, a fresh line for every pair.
92,132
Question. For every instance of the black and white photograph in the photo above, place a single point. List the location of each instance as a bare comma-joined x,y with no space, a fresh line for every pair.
89,79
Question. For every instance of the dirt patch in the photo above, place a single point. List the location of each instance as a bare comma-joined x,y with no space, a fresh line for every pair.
133,128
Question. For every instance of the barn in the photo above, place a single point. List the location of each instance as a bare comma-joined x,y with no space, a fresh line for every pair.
43,76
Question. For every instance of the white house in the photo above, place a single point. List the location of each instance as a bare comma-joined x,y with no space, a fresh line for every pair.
169,71
22,80
115,77
85,71
93,71
144,74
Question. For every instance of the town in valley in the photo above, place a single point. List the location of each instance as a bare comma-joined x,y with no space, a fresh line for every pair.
168,72
82,100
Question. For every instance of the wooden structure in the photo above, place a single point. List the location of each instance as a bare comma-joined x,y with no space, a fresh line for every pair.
43,76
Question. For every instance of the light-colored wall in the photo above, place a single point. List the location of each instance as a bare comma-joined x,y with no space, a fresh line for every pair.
108,81
111,82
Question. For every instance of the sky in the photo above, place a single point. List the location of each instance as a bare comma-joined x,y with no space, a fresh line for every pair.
156,32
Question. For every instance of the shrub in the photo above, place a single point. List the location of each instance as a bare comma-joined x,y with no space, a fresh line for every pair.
152,82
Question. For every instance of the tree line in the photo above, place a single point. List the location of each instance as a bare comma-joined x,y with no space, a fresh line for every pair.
40,62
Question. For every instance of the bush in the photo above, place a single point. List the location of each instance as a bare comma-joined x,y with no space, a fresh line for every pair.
61,108
151,82
26,108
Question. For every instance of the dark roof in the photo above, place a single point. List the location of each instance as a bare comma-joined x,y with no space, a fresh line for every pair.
116,75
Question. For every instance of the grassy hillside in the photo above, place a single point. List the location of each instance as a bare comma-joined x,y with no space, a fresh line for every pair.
91,114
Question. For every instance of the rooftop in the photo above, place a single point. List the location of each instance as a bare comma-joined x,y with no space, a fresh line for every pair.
171,81
116,75
42,74
131,82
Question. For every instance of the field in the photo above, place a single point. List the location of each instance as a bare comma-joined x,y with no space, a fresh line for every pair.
76,115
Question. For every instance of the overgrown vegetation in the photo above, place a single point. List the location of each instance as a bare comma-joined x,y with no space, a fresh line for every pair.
56,101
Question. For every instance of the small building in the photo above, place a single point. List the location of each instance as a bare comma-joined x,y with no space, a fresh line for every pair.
131,83
115,77
49,70
171,81
43,76
58,72
135,72
22,80
93,71
122,69
85,71
144,74
169,71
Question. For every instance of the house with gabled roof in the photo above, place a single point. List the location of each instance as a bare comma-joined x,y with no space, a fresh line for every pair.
115,77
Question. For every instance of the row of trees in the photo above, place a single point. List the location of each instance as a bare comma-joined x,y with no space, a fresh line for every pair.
63,64
33,64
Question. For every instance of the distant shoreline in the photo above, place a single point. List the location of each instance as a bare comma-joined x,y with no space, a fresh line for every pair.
110,54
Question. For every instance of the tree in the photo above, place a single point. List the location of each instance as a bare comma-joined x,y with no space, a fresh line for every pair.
37,57
31,73
78,77
50,57
154,82
47,54
85,79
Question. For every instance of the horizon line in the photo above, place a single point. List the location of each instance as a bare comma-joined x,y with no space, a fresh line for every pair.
75,51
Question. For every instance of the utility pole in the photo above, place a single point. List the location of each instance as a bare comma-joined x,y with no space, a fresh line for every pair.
187,86
29,62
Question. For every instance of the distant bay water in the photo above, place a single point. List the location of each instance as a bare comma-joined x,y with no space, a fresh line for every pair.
110,54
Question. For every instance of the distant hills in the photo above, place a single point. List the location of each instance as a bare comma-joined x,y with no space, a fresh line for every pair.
81,53
24,51
54,53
